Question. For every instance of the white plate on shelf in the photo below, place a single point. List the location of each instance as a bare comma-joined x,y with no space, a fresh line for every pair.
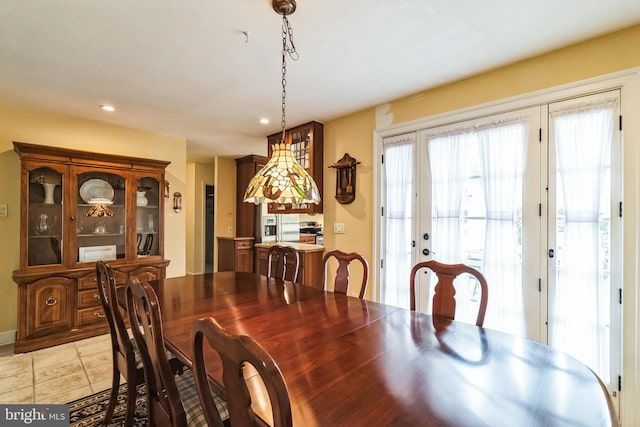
96,191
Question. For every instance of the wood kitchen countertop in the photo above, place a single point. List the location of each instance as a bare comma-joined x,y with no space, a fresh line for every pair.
300,247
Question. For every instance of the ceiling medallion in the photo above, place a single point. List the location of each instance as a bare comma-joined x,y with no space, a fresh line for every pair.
284,7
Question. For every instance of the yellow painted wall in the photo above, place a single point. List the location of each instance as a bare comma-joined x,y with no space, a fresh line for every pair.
198,176
353,135
225,205
189,205
46,128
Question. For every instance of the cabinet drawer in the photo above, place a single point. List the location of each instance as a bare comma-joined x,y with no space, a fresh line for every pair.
90,315
147,273
48,306
91,282
243,244
308,238
88,298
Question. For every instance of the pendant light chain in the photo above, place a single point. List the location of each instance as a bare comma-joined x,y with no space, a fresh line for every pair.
287,48
283,180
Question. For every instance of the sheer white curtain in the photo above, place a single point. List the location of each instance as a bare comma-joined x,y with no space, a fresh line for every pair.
399,189
476,176
449,163
502,156
581,312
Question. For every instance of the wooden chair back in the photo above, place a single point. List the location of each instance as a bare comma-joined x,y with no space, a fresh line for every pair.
164,406
235,352
341,283
444,302
124,355
283,263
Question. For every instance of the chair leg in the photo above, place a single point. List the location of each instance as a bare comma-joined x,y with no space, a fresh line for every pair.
113,398
131,404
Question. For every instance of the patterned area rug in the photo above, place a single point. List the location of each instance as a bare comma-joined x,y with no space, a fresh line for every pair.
89,411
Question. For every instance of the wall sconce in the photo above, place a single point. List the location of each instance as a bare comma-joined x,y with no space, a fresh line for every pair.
345,179
166,189
177,202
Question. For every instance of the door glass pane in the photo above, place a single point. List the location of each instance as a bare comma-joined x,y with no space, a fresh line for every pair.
580,295
477,203
399,189
45,217
100,216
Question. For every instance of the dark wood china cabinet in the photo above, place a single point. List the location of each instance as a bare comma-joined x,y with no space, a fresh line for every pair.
78,207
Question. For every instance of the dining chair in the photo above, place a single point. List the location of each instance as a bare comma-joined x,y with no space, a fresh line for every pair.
444,303
342,280
235,352
144,249
172,400
124,352
287,263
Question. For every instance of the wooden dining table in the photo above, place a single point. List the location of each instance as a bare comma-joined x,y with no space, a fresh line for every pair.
352,362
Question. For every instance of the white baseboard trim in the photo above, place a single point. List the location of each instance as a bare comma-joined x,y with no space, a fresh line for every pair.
7,337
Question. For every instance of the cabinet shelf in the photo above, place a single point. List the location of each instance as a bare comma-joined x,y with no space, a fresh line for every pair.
45,236
87,205
100,234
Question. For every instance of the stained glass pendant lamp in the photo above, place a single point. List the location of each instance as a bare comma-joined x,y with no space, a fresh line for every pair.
283,180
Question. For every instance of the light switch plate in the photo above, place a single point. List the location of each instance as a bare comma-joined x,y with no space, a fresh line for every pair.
339,228
4,210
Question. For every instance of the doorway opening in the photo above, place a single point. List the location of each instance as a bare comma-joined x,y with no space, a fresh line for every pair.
209,195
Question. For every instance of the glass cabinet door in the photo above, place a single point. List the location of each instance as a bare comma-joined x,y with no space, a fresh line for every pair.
45,226
301,147
148,199
100,217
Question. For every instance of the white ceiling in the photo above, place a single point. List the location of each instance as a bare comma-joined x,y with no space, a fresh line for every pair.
185,68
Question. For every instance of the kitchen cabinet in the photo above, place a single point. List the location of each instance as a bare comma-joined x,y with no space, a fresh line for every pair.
246,168
50,300
310,271
78,207
307,146
235,254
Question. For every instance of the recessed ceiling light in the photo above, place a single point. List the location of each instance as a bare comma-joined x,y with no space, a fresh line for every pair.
264,121
106,107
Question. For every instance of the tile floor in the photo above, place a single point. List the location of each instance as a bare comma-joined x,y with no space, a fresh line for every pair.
57,374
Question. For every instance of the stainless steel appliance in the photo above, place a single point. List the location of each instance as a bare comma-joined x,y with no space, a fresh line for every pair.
288,227
276,228
266,228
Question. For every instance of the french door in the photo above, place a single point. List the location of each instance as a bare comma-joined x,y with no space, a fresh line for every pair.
532,199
